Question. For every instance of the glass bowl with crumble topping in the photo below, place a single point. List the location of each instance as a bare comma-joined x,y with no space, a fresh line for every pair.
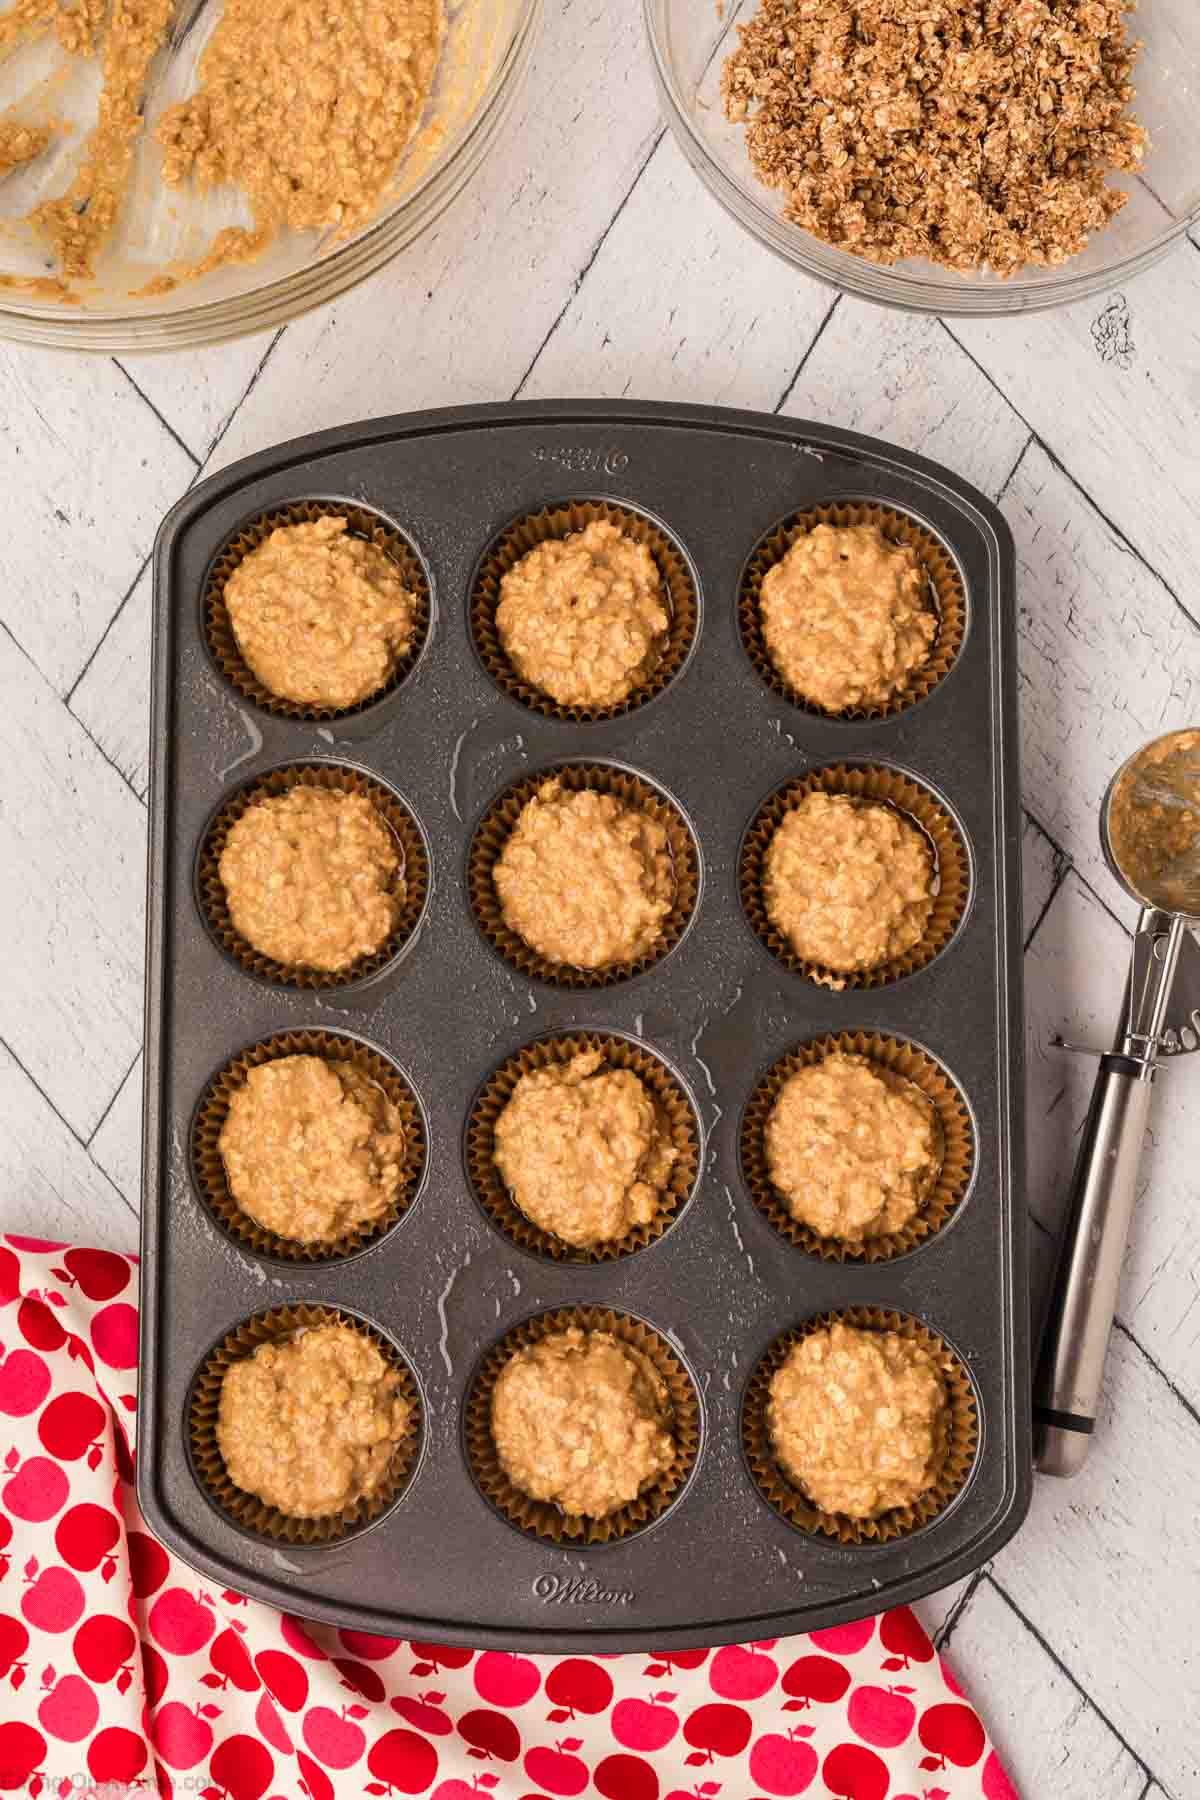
969,157
179,172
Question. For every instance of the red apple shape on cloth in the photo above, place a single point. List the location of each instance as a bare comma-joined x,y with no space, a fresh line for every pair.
901,1632
242,1765
24,1383
425,1713
333,1740
70,1710
22,1750
364,1681
181,1737
85,1534
559,1770
116,1754
782,1765
880,1716
231,1660
441,1656
368,1645
38,1325
852,1773
180,1624
10,1276
155,1675
54,1601
284,1676
102,1645
270,1725
403,1762
100,1273
37,1490
740,1673
717,1729
148,1565
817,1678
680,1659
70,1425
296,1638
644,1724
492,1733
625,1778
995,1782
952,1732
576,1685
844,1640
505,1680
114,1333
14,1641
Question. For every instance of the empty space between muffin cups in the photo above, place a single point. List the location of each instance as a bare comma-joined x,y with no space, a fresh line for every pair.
259,1517
680,590
954,1137
208,1166
945,587
364,524
790,1501
674,1107
545,1519
634,791
865,784
412,874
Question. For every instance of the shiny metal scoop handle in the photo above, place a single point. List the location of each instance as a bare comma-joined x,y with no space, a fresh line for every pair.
1066,1392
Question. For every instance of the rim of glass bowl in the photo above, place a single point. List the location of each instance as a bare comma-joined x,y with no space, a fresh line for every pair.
278,302
892,287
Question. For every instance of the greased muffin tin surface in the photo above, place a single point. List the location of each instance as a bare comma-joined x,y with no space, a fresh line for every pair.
444,1284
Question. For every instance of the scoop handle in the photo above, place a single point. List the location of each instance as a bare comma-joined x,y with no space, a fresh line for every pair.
1066,1392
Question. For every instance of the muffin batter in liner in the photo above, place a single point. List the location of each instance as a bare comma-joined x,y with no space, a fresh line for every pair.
519,538
209,1168
218,627
956,1145
947,597
338,778
917,804
542,1518
792,1504
674,1107
492,833
247,1510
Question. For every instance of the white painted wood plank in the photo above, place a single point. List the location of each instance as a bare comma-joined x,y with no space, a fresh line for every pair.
1114,394
86,471
1041,870
899,377
72,873
1075,973
461,315
1106,1565
113,699
117,1145
197,393
49,1185
720,321
1051,1739
1107,660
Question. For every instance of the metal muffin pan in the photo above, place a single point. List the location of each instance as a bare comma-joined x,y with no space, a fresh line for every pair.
720,1010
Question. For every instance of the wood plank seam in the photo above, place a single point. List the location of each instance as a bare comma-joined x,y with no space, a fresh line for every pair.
164,422
799,369
67,1126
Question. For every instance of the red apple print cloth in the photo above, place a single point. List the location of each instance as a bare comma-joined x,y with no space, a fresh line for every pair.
121,1672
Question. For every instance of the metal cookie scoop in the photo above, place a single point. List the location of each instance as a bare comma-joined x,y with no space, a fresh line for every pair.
1150,833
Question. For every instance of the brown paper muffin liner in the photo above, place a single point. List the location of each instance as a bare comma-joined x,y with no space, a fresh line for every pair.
946,592
675,1111
519,538
542,1518
338,778
919,805
492,833
793,1504
222,641
209,1168
247,1510
955,1141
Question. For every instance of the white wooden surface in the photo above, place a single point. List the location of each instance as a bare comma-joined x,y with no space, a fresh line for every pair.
585,260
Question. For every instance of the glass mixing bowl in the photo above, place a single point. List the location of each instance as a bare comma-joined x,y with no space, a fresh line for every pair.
689,42
487,48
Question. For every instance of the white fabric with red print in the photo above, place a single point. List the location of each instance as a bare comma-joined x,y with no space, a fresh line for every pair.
121,1671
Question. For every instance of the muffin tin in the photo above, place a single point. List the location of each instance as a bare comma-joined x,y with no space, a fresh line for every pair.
720,1285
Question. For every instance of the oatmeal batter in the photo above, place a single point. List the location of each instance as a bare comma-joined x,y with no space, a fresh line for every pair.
584,618
1154,821
20,144
581,1419
584,1150
849,883
311,1148
585,878
312,877
859,1420
311,1424
320,617
975,133
845,616
852,1148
